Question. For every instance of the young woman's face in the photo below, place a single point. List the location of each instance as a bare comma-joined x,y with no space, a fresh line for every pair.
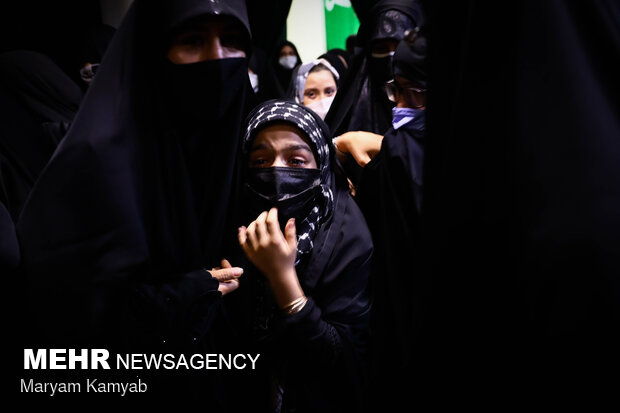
281,145
319,85
207,38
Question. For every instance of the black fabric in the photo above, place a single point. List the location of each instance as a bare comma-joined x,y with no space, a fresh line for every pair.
91,44
390,195
9,248
136,201
277,79
318,355
410,57
522,185
339,59
38,103
361,103
268,24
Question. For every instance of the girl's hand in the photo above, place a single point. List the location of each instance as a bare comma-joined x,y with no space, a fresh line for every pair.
267,247
273,253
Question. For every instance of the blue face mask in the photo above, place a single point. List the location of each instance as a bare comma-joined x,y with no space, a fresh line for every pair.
402,116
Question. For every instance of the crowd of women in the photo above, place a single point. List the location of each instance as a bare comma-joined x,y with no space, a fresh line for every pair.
199,198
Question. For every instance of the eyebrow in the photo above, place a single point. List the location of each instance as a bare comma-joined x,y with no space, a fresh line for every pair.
296,147
299,146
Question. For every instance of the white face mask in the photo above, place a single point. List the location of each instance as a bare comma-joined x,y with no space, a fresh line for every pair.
254,81
288,62
321,107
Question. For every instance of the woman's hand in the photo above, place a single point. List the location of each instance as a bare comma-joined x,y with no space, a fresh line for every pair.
363,146
273,253
228,276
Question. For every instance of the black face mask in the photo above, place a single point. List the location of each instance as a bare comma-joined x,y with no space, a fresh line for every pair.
202,92
292,190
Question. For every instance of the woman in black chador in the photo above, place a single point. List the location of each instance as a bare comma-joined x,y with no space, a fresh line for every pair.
38,103
390,196
361,103
303,304
134,205
279,72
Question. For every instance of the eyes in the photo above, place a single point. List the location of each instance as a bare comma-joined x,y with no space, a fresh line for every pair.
384,46
197,40
206,39
266,159
315,93
190,40
232,40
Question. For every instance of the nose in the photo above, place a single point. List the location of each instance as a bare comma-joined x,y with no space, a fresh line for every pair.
212,48
279,162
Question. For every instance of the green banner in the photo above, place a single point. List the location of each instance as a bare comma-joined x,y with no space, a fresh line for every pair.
340,22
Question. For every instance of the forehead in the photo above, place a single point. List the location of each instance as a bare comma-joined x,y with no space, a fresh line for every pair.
320,78
404,82
208,22
287,49
280,134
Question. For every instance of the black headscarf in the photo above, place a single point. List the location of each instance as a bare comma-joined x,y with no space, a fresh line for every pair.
38,103
137,197
410,57
339,59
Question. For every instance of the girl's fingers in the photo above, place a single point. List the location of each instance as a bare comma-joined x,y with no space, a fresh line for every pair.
262,235
252,240
273,226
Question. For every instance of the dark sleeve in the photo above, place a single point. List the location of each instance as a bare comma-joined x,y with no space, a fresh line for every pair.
397,170
180,309
389,196
336,316
124,312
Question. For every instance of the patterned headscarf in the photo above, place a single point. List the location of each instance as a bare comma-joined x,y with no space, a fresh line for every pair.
297,115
